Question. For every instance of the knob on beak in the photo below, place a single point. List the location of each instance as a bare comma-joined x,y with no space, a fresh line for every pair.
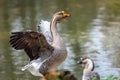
65,14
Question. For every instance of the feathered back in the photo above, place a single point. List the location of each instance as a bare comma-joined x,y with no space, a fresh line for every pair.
92,75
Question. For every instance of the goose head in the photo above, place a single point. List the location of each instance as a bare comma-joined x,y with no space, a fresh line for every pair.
60,15
86,63
83,61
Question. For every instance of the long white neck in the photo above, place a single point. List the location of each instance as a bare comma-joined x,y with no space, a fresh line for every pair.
88,67
57,41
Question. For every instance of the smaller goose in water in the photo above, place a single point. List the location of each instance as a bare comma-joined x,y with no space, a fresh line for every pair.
88,73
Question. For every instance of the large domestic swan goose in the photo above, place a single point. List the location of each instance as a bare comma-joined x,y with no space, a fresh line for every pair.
45,49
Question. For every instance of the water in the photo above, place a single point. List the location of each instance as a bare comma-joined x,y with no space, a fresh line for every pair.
90,31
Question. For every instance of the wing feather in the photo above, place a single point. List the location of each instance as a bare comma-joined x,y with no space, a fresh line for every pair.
44,28
33,43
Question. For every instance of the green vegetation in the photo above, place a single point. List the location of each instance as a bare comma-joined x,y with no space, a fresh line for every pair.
110,77
95,79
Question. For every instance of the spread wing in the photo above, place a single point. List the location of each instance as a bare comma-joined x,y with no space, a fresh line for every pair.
44,28
33,43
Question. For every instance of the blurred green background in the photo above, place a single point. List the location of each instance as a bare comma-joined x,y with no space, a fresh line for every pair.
93,30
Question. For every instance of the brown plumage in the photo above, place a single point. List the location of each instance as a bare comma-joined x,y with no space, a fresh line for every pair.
33,43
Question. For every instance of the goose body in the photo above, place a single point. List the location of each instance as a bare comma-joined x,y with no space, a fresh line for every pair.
88,72
45,49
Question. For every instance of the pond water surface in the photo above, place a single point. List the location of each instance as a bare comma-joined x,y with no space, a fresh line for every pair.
88,32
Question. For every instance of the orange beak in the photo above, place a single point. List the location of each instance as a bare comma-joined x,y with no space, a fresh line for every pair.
65,14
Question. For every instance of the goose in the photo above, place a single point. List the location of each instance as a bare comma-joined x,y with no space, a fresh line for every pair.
45,51
88,72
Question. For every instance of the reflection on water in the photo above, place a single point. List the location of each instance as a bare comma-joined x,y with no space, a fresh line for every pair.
88,32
